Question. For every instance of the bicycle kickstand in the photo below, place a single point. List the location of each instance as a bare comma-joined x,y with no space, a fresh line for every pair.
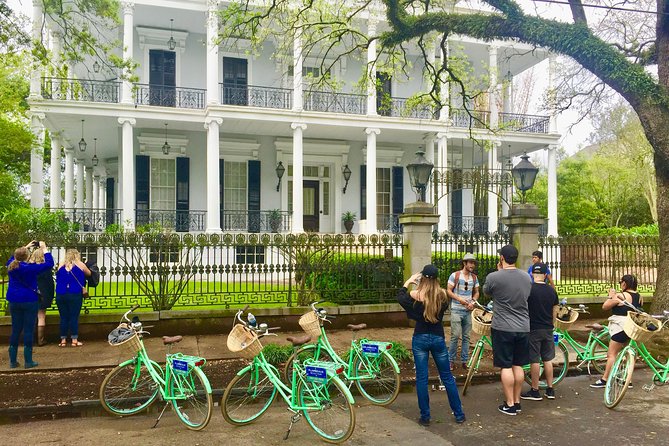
293,419
161,414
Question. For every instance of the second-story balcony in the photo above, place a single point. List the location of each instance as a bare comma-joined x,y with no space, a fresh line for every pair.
169,96
80,90
257,96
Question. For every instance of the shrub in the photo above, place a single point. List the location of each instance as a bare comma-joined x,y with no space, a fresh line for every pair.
277,354
400,352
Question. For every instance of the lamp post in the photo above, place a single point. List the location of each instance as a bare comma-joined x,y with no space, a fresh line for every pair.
524,174
347,176
280,169
420,171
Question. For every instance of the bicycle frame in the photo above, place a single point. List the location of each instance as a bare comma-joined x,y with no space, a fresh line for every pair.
660,371
583,349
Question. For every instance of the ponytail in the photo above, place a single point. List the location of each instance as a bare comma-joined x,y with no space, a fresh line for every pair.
20,255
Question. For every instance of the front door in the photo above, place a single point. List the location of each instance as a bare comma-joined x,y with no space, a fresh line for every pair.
311,206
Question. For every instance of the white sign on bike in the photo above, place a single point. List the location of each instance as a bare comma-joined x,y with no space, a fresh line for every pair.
316,374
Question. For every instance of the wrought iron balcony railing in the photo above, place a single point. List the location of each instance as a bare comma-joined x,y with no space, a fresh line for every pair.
326,101
472,118
92,220
468,224
402,108
63,89
180,221
170,96
456,179
256,221
524,123
256,96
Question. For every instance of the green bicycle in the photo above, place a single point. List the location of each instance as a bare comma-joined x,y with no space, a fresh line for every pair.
623,368
135,384
370,366
315,391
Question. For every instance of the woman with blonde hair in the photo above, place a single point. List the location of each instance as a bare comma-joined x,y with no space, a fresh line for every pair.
23,298
426,305
70,282
46,288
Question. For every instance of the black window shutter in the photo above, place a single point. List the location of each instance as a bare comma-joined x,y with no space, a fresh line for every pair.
109,205
254,195
142,185
363,192
221,192
183,194
398,189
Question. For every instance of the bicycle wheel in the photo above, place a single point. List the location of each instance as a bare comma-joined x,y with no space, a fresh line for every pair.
472,367
192,401
598,351
247,396
330,414
128,388
621,375
560,367
305,352
376,378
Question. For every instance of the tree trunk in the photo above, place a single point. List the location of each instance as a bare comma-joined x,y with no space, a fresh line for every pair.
661,297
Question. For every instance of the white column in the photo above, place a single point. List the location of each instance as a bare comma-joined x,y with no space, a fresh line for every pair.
442,162
128,47
89,187
213,171
468,193
508,93
37,161
370,226
56,50
36,34
371,68
444,93
552,191
429,155
55,200
492,87
212,53
80,183
492,197
102,200
95,203
551,93
298,155
507,192
127,166
298,60
69,178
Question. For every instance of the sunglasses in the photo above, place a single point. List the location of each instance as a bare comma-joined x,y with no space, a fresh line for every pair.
466,285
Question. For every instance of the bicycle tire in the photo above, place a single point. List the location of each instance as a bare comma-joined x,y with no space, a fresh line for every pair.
305,352
599,348
620,377
329,401
247,397
384,387
472,367
129,388
560,367
192,401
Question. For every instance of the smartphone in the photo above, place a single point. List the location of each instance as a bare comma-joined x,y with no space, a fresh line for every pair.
35,244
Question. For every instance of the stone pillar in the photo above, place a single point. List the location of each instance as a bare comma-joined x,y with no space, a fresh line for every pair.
298,61
69,178
371,68
127,166
55,200
89,187
37,161
442,162
493,188
523,223
213,175
80,184
36,35
212,53
417,222
370,227
128,8
552,192
298,196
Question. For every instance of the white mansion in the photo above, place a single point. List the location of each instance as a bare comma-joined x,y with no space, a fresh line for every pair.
214,138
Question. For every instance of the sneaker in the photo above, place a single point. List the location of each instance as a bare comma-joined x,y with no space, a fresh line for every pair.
461,420
518,408
423,422
599,384
532,394
550,393
630,385
506,410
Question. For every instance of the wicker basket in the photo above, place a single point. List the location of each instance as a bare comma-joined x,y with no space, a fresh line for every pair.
130,346
636,331
564,325
478,326
244,342
311,324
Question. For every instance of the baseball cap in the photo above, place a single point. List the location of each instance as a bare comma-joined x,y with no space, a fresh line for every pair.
540,268
509,252
430,271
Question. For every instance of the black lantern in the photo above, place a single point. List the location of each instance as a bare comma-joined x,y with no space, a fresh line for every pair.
95,161
171,44
347,176
524,173
280,170
420,171
96,66
166,146
82,141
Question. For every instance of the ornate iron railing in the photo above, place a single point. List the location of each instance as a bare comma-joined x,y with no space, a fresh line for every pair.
470,118
64,89
169,96
524,123
402,108
256,221
326,101
468,224
180,221
388,223
257,96
92,220
468,178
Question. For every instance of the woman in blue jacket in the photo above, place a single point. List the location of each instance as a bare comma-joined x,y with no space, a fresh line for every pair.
23,298
70,282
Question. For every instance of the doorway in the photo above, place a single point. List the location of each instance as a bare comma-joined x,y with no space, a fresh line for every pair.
311,206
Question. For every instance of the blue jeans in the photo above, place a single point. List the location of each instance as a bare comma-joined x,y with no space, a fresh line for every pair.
69,307
461,327
24,317
422,345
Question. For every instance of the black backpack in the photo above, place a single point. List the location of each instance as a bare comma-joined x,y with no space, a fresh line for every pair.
94,278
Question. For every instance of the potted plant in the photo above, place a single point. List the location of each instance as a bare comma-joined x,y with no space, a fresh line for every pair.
274,217
348,218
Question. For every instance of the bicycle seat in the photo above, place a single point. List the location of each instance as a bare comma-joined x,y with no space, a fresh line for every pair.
171,339
298,340
357,327
595,327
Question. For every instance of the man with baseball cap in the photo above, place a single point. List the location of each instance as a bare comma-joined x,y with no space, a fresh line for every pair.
509,288
463,290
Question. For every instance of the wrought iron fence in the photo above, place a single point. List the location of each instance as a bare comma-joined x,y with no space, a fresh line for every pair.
256,96
468,224
402,108
524,123
92,220
227,270
169,96
64,89
326,101
470,118
590,265
180,221
256,221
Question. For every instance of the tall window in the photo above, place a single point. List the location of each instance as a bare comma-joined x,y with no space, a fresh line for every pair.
235,177
383,194
163,184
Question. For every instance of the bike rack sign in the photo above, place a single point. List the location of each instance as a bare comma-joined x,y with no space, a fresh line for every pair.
316,374
180,366
370,349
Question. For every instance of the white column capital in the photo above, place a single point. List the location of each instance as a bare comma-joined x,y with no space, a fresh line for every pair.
298,125
492,48
37,119
440,135
374,130
372,24
131,121
209,120
128,7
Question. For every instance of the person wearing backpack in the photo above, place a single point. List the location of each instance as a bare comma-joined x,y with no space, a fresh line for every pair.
463,290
